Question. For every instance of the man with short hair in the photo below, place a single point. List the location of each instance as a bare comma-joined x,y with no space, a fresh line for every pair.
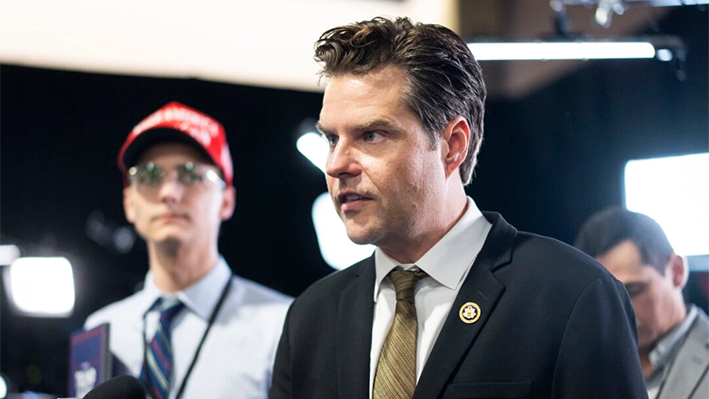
673,339
195,330
454,302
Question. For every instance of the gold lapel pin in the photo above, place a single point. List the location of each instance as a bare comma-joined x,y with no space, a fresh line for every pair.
469,313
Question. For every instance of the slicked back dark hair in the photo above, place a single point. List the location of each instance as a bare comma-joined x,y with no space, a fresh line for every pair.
443,78
611,226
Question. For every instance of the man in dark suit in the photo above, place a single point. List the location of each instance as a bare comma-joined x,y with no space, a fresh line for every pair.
673,338
454,303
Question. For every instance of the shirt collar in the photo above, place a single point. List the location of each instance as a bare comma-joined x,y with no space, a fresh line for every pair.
450,258
200,297
665,346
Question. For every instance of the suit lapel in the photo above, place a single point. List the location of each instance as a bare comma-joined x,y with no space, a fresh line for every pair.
480,287
354,331
691,362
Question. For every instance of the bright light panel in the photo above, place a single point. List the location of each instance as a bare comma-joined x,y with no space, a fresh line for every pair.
314,147
42,287
675,192
560,50
8,254
336,248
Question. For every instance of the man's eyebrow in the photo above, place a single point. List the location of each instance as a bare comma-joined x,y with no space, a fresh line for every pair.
374,124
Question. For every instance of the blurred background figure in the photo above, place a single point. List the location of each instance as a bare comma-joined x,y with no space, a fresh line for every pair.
195,328
673,338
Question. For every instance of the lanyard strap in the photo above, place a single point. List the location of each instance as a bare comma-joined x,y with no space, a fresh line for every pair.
677,349
212,318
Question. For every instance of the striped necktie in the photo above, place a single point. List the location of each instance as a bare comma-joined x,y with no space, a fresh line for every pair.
157,370
395,377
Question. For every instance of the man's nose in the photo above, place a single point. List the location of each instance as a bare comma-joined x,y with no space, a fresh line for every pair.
343,160
171,189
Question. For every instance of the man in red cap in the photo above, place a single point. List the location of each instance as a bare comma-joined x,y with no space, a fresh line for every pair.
195,330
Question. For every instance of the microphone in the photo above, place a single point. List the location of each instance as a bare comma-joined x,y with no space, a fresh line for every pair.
122,387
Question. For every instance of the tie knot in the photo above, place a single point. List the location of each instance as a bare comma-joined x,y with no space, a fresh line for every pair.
405,283
169,308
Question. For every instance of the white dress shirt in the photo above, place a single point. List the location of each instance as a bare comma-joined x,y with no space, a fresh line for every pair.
447,263
665,351
238,353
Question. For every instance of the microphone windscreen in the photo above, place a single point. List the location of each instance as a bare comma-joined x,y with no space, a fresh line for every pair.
122,387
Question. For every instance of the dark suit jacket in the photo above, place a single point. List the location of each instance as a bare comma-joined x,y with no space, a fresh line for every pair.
553,324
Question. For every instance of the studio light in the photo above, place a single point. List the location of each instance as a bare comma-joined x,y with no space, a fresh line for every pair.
335,247
3,386
314,147
561,50
8,254
675,192
41,287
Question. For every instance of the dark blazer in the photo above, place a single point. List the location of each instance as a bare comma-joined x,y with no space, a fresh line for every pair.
553,324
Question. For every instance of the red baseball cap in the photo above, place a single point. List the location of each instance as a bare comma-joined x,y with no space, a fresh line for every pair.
176,122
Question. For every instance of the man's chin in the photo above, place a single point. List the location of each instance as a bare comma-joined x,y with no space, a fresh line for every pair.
360,236
168,245
168,232
360,241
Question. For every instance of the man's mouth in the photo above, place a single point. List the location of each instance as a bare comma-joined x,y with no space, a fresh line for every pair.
171,216
351,201
345,198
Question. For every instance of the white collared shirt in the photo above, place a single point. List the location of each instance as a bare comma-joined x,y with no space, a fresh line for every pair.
447,263
664,352
237,357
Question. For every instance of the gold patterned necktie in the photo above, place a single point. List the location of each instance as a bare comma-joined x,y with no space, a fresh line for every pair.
395,377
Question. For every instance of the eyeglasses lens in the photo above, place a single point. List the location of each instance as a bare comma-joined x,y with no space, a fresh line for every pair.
150,176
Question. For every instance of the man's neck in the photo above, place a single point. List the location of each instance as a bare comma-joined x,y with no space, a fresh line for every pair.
178,266
645,362
416,247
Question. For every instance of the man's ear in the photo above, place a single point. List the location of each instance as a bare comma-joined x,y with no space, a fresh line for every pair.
677,266
454,144
228,203
128,207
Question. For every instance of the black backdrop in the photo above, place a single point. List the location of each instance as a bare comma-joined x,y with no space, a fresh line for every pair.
548,161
